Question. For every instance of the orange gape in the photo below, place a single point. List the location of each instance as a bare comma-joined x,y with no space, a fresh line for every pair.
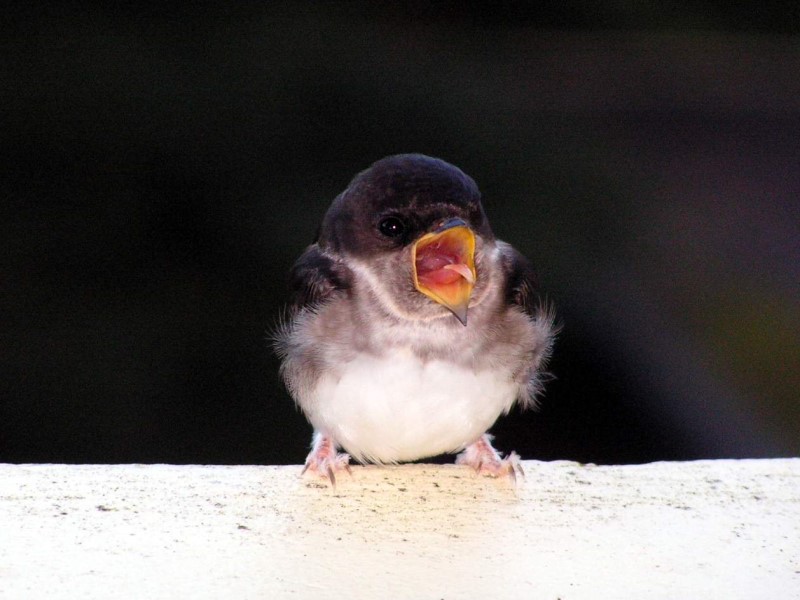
444,267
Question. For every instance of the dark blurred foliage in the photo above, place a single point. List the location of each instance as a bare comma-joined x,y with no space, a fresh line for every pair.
163,167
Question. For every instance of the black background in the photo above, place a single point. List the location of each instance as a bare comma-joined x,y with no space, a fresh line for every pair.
162,168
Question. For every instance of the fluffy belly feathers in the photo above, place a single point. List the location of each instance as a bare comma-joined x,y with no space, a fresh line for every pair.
398,408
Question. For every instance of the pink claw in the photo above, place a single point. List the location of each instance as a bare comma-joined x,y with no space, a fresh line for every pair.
482,457
324,460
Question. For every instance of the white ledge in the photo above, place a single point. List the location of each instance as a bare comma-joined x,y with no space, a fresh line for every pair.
707,529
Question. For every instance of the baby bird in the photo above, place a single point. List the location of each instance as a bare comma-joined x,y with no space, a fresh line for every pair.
412,328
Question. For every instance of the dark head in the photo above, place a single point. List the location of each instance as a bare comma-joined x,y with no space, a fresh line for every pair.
417,222
398,199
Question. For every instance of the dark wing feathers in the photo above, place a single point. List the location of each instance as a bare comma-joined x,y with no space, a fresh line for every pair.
521,282
315,276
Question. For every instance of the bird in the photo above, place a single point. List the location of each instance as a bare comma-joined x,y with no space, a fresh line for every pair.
411,328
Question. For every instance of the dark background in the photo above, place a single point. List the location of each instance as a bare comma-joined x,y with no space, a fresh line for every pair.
162,168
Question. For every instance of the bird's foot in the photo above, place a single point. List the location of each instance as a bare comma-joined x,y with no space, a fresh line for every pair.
324,460
487,461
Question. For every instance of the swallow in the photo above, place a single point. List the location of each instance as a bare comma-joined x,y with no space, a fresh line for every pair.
411,328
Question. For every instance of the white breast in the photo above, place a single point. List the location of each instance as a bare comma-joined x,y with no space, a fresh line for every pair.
399,408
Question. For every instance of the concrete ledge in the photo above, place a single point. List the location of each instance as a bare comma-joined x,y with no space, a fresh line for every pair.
708,529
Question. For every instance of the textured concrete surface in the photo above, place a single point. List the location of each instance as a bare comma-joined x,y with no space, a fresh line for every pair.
709,529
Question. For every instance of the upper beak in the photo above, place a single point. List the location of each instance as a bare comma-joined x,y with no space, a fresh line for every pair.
443,263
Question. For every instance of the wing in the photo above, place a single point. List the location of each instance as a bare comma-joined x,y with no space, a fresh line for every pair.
315,277
522,290
521,282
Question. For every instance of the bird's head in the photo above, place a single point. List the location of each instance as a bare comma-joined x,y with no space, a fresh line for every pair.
415,228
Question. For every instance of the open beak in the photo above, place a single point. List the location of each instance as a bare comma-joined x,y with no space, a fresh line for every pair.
444,266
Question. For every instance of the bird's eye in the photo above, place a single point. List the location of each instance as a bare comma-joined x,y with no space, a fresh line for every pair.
392,227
